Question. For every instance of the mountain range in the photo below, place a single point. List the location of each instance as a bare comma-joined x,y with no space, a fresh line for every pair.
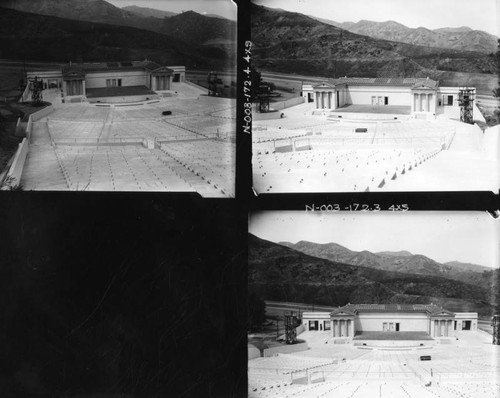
290,42
333,275
461,38
188,26
402,261
94,30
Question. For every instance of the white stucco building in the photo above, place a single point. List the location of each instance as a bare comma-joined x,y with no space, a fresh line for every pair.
346,321
421,96
76,80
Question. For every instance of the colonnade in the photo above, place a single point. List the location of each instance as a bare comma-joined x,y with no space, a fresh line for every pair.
422,102
325,99
343,328
443,328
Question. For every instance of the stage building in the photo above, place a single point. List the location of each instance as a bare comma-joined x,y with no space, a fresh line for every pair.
87,81
418,97
350,320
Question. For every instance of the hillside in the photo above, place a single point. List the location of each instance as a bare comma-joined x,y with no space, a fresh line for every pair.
148,12
192,27
276,272
462,38
44,38
188,26
294,43
397,261
85,10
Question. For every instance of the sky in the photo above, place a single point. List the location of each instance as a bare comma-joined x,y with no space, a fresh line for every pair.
469,237
224,8
432,14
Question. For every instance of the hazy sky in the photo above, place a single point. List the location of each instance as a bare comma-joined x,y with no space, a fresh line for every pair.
224,8
470,237
432,14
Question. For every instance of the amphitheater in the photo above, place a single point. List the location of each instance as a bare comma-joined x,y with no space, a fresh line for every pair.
466,366
134,147
357,149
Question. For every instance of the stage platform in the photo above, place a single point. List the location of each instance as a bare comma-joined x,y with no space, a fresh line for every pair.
392,336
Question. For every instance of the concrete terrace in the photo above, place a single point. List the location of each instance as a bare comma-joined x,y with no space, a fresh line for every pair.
306,152
132,147
466,367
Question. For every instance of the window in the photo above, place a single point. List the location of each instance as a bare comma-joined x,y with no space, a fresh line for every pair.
327,325
313,325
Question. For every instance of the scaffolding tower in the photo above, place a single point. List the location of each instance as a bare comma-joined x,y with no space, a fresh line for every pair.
213,83
263,98
36,87
495,322
291,323
466,98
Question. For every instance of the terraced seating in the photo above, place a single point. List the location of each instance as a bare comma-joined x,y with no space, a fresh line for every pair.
341,170
209,165
117,168
80,112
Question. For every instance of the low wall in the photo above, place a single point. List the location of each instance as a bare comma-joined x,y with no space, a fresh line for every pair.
285,349
15,172
123,100
287,104
26,94
253,352
397,344
41,113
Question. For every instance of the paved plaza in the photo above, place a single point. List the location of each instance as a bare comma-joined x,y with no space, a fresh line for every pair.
134,147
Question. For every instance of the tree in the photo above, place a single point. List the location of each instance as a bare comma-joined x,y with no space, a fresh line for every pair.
256,311
256,82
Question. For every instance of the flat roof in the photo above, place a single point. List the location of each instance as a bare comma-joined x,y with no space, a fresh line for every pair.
118,91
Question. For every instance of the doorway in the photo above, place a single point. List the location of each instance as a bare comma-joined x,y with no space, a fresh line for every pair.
466,325
313,325
397,326
450,100
386,100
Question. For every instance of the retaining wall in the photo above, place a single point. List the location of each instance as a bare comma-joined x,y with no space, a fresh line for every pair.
16,168
285,349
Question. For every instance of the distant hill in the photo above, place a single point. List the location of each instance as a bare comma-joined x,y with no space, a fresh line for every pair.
192,27
294,43
462,38
85,10
52,39
276,272
402,261
149,12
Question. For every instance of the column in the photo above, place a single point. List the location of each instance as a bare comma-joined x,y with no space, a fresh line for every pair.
83,86
330,100
419,103
334,95
347,329
316,95
338,328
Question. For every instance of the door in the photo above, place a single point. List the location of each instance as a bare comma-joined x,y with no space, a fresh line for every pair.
380,100
466,325
397,326
374,100
450,99
386,100
384,326
391,327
